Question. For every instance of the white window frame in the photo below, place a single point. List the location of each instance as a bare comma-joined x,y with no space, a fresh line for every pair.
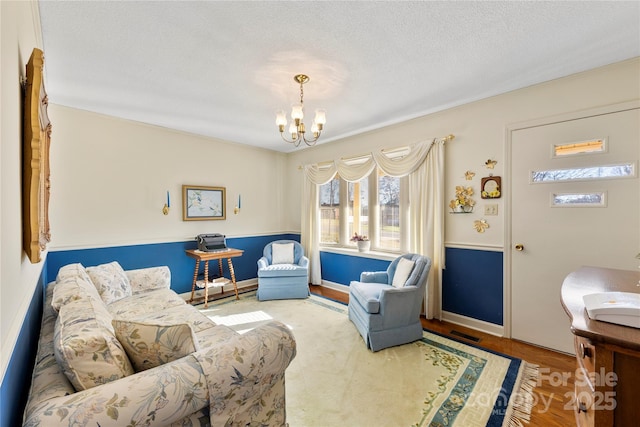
374,217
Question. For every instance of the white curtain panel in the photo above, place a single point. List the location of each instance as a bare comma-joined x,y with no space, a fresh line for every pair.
427,223
423,164
310,233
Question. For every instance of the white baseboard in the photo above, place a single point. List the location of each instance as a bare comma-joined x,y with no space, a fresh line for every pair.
478,325
335,286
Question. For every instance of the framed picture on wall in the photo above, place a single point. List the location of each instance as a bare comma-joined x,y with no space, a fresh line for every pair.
203,203
491,187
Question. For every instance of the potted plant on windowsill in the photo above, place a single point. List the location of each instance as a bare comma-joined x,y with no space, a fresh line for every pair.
362,241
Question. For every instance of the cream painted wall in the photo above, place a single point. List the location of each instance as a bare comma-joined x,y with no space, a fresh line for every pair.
110,177
20,33
480,131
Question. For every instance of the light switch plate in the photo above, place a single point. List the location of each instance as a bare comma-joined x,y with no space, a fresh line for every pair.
491,209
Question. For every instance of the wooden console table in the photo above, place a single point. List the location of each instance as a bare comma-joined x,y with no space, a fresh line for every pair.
206,257
607,382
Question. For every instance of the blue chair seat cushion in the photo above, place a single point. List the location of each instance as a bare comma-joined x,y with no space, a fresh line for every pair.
282,270
367,295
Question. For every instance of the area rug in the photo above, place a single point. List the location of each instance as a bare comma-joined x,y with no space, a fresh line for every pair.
335,380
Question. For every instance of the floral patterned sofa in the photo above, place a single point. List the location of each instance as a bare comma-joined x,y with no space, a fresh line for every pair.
119,348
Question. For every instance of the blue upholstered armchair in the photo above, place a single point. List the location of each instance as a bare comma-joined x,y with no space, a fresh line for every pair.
283,271
385,305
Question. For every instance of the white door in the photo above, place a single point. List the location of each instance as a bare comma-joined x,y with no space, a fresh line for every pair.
560,222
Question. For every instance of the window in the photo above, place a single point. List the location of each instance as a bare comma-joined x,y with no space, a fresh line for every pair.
596,199
358,208
371,207
625,170
389,202
582,147
330,211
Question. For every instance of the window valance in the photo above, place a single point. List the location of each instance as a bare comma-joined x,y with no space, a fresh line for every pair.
353,170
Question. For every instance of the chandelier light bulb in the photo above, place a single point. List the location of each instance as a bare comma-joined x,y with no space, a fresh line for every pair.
321,118
297,113
281,118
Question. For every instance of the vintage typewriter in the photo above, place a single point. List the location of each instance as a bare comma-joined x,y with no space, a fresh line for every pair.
211,242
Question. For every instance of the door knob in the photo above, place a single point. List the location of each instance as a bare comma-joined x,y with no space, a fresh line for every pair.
519,247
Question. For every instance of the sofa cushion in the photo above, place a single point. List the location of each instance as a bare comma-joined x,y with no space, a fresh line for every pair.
403,270
146,279
111,281
367,295
86,309
88,352
71,288
145,302
72,270
153,344
183,313
282,253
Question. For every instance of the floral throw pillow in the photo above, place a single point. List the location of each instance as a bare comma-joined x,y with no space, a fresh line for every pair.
150,344
86,348
111,281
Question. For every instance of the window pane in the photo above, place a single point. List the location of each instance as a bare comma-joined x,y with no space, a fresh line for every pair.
389,200
579,199
330,211
358,208
589,173
582,147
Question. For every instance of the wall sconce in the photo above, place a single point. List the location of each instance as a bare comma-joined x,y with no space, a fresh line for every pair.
165,208
236,210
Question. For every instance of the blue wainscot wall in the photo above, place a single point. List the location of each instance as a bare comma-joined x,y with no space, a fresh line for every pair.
169,254
343,268
17,379
472,284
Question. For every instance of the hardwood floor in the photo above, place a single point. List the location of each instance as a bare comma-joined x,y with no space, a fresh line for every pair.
552,395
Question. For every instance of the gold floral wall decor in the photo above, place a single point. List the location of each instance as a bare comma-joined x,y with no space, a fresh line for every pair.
468,175
480,225
462,201
490,163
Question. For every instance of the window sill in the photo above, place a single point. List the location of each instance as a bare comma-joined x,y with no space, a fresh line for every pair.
387,256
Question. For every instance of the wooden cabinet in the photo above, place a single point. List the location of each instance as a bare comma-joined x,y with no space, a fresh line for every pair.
607,377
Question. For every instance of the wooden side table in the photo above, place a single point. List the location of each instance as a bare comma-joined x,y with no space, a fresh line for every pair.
206,257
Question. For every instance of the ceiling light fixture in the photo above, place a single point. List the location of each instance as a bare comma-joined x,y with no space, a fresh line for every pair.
297,129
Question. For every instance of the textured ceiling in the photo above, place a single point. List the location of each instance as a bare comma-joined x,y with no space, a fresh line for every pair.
222,69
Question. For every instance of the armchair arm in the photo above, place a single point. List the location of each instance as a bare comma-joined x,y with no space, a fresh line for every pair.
263,263
400,306
304,262
251,368
145,279
158,396
374,277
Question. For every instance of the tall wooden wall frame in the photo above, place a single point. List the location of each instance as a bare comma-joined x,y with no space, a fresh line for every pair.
36,182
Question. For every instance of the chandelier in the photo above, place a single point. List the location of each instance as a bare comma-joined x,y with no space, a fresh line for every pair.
297,128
